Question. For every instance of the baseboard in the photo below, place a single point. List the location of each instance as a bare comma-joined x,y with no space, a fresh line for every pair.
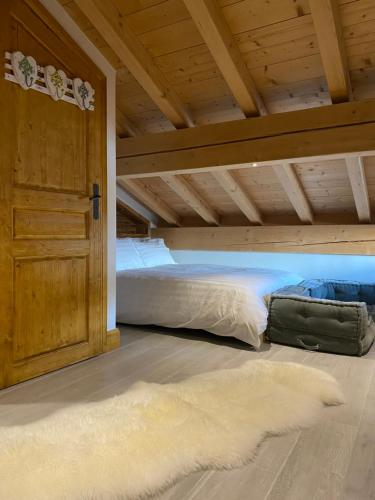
112,340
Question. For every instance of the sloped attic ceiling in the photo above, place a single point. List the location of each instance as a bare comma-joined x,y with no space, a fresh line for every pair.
277,40
184,63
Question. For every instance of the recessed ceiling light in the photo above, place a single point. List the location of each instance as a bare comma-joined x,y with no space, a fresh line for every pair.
254,164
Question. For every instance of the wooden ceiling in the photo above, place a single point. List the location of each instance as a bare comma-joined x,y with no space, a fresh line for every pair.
340,191
283,46
185,63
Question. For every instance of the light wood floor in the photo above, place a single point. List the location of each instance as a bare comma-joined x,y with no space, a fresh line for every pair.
333,460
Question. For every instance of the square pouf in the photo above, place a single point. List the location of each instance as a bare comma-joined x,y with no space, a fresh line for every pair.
324,315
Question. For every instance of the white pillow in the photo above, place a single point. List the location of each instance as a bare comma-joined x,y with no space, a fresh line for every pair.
127,256
153,252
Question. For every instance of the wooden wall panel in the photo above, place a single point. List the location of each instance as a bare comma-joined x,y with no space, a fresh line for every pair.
344,239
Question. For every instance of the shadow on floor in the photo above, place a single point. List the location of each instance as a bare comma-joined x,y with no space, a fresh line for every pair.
108,375
199,335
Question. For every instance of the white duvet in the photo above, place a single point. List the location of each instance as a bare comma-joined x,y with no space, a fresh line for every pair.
223,300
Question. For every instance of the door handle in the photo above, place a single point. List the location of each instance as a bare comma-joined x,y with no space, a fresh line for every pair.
95,201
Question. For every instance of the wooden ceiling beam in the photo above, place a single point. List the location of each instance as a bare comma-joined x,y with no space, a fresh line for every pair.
294,190
232,187
217,35
151,201
349,113
183,188
332,131
115,30
338,130
327,23
357,177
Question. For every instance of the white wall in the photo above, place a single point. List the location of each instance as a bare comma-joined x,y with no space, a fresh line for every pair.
350,267
60,14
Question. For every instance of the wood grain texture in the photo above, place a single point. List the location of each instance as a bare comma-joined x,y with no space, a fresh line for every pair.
233,188
124,126
112,340
293,137
344,239
182,187
290,147
276,39
332,459
49,224
294,190
130,223
118,34
59,288
352,113
53,253
358,183
327,22
215,31
151,200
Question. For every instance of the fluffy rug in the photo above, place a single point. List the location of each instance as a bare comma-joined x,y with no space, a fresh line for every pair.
144,440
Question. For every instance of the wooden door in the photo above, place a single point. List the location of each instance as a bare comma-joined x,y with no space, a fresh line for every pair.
51,248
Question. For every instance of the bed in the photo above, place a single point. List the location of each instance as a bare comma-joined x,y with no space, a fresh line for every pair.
229,301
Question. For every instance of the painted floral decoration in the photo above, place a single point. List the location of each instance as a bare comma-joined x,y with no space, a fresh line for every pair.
27,70
58,86
57,80
84,93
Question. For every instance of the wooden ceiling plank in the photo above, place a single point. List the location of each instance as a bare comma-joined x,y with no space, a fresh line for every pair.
151,200
217,35
114,28
125,126
327,22
233,188
184,189
357,177
294,190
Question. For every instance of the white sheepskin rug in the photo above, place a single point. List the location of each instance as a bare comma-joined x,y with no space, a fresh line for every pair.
138,443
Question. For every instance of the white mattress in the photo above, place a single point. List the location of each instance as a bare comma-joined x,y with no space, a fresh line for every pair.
223,300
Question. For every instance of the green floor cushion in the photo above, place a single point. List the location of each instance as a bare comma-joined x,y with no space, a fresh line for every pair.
330,316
